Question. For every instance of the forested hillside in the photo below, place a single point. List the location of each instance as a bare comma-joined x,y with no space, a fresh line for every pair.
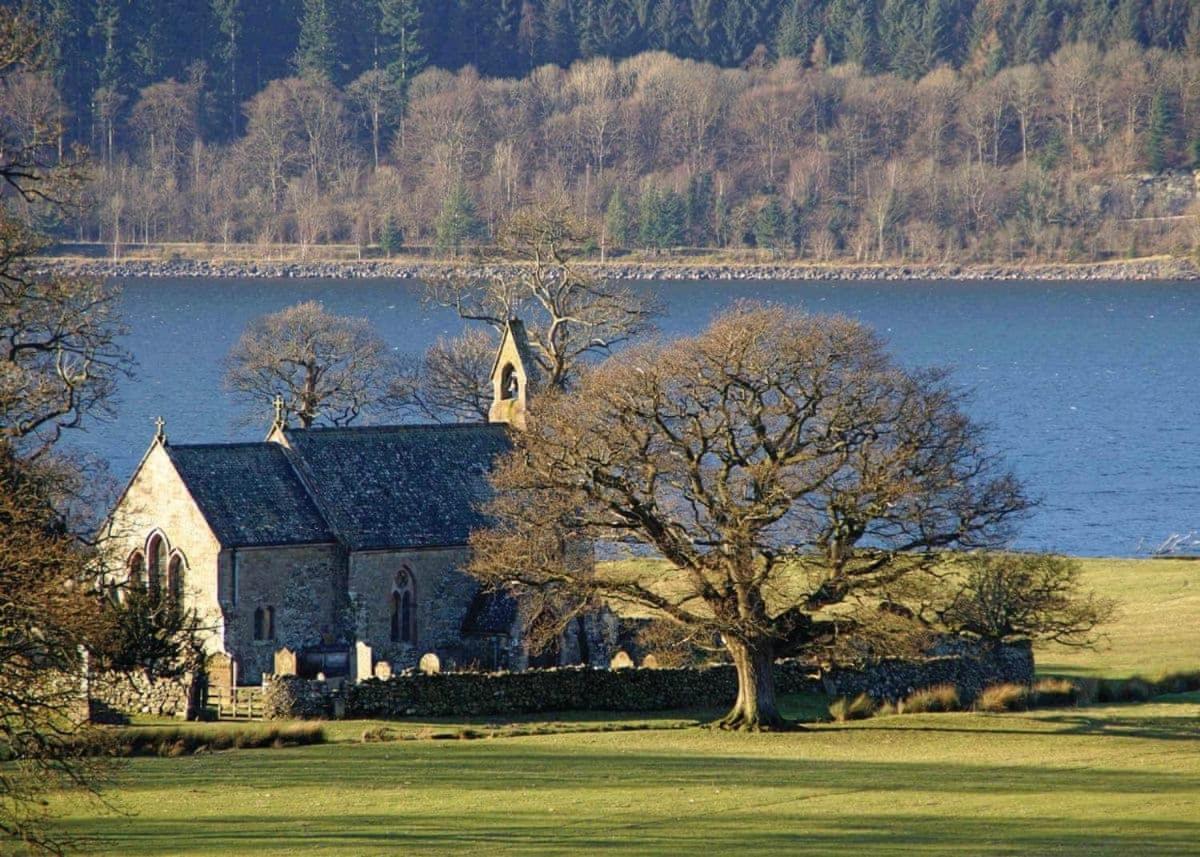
832,128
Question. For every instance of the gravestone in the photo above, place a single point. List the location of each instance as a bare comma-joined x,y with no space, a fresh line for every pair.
621,661
222,671
362,661
285,662
430,664
383,670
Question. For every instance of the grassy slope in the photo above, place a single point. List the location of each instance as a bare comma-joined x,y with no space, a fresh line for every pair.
1095,781
1073,781
1158,629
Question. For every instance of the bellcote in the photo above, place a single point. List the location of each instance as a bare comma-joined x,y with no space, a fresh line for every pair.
514,374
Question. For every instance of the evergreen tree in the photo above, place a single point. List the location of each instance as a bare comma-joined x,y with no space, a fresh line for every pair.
457,223
391,238
315,54
228,14
558,40
618,221
699,210
661,219
795,32
740,30
506,24
1161,130
1127,22
401,47
771,226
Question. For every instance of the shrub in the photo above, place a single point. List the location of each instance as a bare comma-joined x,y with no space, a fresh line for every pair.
1003,697
1136,690
1055,692
1178,683
859,708
940,697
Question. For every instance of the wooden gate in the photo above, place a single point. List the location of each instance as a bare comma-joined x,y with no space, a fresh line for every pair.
238,703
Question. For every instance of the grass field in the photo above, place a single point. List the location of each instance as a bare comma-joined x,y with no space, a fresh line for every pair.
1096,780
1157,630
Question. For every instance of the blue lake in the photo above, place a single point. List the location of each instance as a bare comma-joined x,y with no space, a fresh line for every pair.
1092,390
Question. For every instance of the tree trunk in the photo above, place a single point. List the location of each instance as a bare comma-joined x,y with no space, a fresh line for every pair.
755,709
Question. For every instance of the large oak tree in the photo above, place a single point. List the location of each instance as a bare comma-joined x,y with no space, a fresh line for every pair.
782,463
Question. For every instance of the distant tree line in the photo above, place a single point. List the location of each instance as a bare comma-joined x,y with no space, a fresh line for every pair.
841,129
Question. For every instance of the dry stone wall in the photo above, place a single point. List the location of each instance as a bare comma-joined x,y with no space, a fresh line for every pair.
412,694
114,696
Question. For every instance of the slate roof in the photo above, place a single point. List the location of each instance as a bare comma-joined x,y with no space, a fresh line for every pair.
250,494
399,486
490,613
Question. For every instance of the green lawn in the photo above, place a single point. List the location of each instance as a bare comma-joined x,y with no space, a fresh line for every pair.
1121,780
1099,780
1158,629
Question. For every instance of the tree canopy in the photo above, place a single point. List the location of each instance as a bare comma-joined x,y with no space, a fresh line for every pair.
781,463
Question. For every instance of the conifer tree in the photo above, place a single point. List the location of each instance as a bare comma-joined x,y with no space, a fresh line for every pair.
770,226
402,49
457,223
1158,137
618,220
315,53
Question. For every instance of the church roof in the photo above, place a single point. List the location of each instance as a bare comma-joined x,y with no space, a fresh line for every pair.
250,494
399,486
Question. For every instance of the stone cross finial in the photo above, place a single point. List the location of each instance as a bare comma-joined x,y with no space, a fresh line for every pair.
160,430
279,411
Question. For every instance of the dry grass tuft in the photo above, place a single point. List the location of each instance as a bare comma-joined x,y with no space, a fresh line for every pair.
940,697
1003,697
860,707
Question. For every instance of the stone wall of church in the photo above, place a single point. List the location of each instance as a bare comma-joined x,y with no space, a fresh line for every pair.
443,595
157,500
304,587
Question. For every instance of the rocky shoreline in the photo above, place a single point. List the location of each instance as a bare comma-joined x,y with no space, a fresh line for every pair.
1134,269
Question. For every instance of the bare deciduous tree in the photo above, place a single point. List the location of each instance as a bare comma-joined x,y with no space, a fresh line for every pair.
1009,596
451,382
327,368
781,463
567,313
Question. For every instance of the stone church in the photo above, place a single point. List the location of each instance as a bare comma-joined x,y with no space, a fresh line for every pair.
320,539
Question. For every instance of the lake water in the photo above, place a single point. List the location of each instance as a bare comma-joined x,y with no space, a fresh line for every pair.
1092,390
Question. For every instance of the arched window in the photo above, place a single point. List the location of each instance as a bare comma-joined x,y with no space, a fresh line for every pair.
509,385
264,623
157,558
404,609
136,564
175,577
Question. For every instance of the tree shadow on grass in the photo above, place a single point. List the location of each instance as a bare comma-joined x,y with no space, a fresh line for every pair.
787,829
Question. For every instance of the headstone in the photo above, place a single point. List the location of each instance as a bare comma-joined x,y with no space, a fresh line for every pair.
650,662
285,662
430,664
362,661
221,671
621,661
383,670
